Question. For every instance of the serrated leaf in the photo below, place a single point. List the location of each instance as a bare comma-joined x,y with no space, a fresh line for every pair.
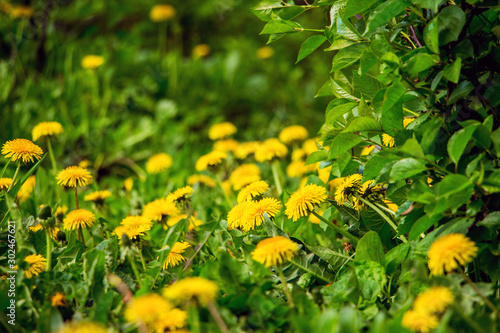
335,110
392,112
343,142
308,47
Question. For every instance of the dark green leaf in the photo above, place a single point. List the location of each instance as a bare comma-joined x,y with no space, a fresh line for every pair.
384,12
354,7
392,113
458,142
420,63
343,142
308,47
395,257
369,248
334,110
348,56
429,4
452,71
462,90
406,168
422,225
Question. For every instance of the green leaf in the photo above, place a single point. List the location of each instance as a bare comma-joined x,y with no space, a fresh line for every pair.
363,124
412,147
384,12
13,191
369,248
429,4
395,257
462,90
458,142
420,192
456,190
308,47
422,225
343,142
444,28
334,110
420,63
341,92
495,137
452,71
354,7
375,165
406,168
371,278
491,221
431,36
347,56
280,27
332,257
392,112
366,84
317,156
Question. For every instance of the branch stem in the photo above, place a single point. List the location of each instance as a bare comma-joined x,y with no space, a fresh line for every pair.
354,240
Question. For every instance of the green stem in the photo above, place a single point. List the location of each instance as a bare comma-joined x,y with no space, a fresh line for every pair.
76,199
409,39
385,217
226,196
142,259
217,317
354,240
80,236
285,286
15,176
49,247
274,168
51,154
5,168
385,208
466,318
134,269
479,293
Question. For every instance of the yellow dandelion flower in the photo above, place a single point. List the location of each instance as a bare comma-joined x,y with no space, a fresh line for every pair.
46,129
172,320
147,309
60,211
5,183
202,179
408,121
252,190
92,61
293,134
367,150
21,149
21,11
388,140
246,149
160,13
419,321
37,264
275,250
237,215
26,189
299,154
434,300
226,145
391,205
367,191
5,7
265,52
270,149
74,176
299,168
243,175
97,196
450,251
210,160
324,174
203,290
158,209
83,327
58,299
201,51
348,188
133,227
314,219
181,194
221,131
310,146
302,202
84,163
158,163
36,227
193,223
128,184
175,256
254,215
79,218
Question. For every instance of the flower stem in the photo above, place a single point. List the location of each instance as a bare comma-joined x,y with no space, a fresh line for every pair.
285,286
217,317
15,176
76,199
345,233
49,247
162,38
274,168
51,154
226,196
134,269
80,236
142,259
479,293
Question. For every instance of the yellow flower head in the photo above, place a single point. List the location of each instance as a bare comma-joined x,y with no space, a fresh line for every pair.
388,140
202,179
210,160
21,11
36,227
254,214
348,188
26,190
391,205
159,209
226,145
237,215
434,300
246,149
83,327
275,250
58,299
5,183
195,287
37,264
44,129
97,196
160,13
181,194
92,61
74,176
270,149
84,163
175,256
79,218
22,149
201,51
367,191
265,52
252,190
158,163
367,150
299,168
324,174
147,309
303,201
293,134
171,321
60,211
408,121
449,251
243,175
128,184
419,321
221,131
133,227
310,146
298,154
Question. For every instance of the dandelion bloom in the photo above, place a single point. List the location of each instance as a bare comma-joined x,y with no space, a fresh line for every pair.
293,134
419,321
160,13
74,176
348,188
158,163
265,52
324,174
246,149
202,179
408,121
303,201
58,299
128,184
450,251
158,209
79,218
254,215
133,226
172,321
299,168
36,227
367,191
84,163
221,131
201,51
243,175
434,300
60,211
226,145
21,11
210,160
194,287
181,194
147,309
275,250
92,61
22,149
97,196
391,205
175,256
37,264
252,190
310,146
270,149
237,215
5,183
83,327
367,150
388,140
26,189
299,154
46,129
